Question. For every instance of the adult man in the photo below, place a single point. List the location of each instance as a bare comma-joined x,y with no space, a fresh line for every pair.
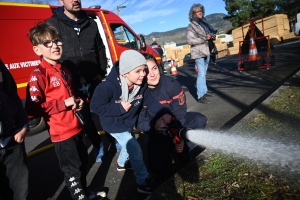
157,47
84,55
13,129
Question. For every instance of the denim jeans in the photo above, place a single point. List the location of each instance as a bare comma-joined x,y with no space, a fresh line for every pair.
202,65
131,149
13,172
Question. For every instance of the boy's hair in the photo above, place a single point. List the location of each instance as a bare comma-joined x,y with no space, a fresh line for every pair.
41,31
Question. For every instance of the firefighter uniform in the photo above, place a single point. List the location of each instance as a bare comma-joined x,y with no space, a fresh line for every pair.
170,94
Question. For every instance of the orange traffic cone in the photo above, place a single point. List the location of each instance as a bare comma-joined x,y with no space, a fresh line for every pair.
252,51
196,69
228,53
173,69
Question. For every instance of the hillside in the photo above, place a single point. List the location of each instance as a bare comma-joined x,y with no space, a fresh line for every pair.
179,35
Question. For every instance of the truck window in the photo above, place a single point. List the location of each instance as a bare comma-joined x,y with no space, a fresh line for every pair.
123,36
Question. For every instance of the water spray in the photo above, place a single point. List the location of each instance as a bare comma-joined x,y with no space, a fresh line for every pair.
268,151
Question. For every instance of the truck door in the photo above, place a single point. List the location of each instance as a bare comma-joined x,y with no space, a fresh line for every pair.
124,38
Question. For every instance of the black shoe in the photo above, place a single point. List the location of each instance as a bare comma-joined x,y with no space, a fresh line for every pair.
127,166
203,100
147,188
209,94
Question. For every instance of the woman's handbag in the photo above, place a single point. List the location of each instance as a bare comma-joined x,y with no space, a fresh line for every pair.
212,47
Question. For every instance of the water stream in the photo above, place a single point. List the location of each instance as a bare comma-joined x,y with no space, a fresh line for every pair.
274,152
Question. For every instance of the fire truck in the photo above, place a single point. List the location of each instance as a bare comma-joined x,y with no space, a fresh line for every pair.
16,50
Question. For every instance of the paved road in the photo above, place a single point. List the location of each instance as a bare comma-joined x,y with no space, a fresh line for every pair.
237,94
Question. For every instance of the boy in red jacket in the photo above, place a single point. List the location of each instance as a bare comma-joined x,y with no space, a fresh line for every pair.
50,95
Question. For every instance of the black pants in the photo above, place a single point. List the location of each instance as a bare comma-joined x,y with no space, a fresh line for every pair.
13,172
161,147
73,158
90,128
160,151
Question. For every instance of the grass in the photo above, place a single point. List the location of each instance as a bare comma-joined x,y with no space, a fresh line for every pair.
220,176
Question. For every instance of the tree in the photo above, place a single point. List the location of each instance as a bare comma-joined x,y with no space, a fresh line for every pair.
241,10
289,7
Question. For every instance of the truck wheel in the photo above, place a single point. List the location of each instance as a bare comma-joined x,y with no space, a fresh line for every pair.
36,125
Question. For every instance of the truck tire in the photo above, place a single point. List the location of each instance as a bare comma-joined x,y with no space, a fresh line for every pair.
36,125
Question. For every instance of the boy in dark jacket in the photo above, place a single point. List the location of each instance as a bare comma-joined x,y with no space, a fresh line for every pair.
118,101
50,94
170,94
13,129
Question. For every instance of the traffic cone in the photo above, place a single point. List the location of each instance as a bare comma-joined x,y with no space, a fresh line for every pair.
196,69
173,69
228,53
252,50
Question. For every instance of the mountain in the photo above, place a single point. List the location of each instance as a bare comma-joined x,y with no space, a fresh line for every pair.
179,35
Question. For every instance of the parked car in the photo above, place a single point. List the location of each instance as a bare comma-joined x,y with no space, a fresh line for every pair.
187,60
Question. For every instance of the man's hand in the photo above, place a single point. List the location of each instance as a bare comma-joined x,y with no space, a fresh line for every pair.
20,134
126,105
162,122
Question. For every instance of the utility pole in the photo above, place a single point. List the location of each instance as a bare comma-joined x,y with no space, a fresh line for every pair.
118,9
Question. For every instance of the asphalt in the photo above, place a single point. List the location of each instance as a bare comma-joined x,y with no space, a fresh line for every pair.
239,96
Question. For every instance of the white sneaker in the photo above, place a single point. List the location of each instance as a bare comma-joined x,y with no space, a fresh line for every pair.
96,195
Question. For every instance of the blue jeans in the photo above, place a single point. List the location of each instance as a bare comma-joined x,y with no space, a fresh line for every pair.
131,150
202,65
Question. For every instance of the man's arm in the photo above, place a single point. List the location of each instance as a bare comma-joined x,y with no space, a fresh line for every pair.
101,55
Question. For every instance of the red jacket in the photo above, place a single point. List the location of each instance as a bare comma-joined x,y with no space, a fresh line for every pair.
46,92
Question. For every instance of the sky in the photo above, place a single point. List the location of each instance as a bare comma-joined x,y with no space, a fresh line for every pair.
147,16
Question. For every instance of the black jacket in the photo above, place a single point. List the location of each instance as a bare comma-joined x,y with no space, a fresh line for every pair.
84,53
12,113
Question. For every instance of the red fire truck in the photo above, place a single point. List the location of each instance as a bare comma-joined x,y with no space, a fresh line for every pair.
16,50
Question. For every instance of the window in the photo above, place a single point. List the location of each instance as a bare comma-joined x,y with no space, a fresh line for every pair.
124,37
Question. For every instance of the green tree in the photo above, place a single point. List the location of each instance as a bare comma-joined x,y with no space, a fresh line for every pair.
241,10
289,7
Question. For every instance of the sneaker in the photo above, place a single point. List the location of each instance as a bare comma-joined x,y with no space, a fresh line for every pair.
118,147
147,188
209,94
203,100
99,153
96,195
127,166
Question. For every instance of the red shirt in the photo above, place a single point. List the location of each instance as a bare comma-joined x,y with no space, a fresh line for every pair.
46,92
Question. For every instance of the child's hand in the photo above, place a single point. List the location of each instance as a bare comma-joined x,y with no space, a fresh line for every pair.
126,105
79,103
179,147
70,102
162,122
20,135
